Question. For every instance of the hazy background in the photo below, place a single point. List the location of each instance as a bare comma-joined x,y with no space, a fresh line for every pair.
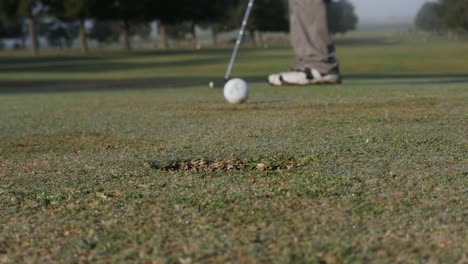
387,11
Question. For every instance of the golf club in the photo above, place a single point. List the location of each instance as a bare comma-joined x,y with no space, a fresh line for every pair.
239,40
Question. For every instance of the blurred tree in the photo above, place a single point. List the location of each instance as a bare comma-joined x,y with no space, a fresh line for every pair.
168,13
206,13
142,30
105,31
454,14
12,11
429,17
226,13
341,17
179,30
11,30
126,11
74,10
450,15
59,33
196,12
267,15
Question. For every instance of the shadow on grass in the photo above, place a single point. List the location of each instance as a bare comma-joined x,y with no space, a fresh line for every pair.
202,81
104,66
98,85
6,61
109,61
404,79
367,42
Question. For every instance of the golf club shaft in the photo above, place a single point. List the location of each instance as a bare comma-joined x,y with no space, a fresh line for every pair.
239,40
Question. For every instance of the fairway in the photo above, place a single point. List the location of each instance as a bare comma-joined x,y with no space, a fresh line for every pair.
120,157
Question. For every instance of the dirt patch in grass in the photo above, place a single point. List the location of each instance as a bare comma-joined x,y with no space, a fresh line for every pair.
228,165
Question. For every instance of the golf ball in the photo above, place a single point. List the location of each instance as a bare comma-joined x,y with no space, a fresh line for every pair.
236,91
211,84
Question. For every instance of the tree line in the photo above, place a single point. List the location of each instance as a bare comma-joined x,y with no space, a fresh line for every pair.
443,16
120,19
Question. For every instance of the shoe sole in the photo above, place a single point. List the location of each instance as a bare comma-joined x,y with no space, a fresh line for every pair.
283,83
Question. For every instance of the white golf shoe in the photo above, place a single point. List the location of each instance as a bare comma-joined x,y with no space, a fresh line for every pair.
305,77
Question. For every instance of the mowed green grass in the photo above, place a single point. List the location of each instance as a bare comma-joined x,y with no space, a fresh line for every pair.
380,174
360,58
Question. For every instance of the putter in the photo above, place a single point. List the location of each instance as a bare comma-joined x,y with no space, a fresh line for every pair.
240,36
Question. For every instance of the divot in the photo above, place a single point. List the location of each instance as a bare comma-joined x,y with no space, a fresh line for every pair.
227,165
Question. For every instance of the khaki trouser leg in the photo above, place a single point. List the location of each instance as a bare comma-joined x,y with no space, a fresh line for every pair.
310,38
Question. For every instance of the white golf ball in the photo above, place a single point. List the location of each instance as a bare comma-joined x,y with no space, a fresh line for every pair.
236,91
211,84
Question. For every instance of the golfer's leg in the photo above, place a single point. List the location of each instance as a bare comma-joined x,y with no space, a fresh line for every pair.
310,39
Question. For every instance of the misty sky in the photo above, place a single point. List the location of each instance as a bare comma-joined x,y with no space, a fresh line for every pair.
385,10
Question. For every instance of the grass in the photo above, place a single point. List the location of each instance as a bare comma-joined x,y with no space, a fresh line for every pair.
360,58
379,175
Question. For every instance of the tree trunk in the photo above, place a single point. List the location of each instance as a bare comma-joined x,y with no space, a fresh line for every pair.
193,32
126,35
83,38
32,34
24,37
252,36
260,39
163,36
214,34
